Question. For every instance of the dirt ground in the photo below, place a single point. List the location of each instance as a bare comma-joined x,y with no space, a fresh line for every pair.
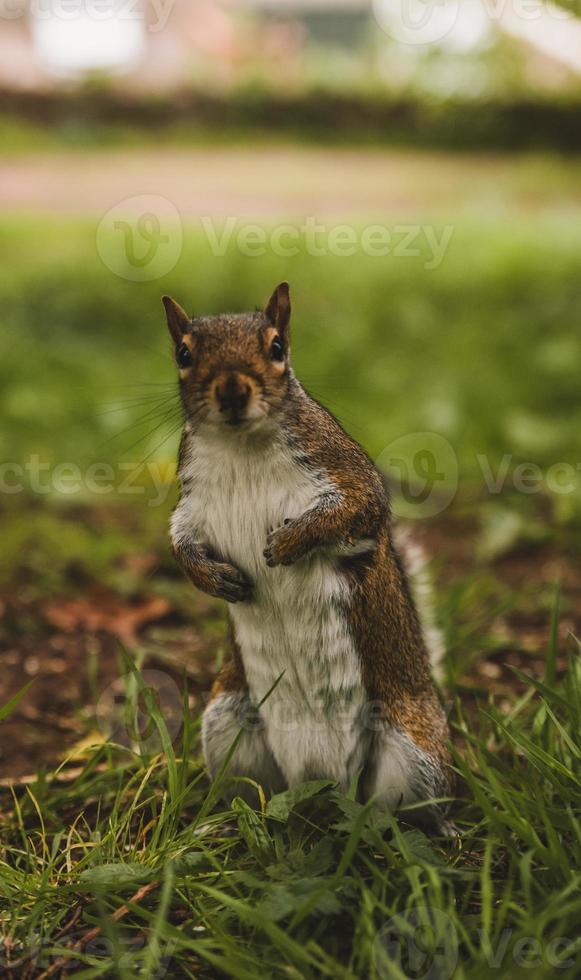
289,181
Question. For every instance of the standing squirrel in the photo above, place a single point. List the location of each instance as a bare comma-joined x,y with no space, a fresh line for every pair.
284,515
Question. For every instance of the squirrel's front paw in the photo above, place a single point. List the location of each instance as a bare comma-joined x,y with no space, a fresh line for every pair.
285,544
230,584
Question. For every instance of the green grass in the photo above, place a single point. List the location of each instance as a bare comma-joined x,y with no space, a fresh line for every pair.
310,883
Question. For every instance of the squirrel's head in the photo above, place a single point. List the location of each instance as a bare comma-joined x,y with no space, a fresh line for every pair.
233,368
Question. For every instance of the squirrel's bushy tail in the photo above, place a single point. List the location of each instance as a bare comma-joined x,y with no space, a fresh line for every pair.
416,566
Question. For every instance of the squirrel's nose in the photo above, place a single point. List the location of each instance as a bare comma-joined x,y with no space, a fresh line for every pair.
232,393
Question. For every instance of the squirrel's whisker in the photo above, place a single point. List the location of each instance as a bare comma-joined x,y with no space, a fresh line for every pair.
146,384
173,431
152,415
135,403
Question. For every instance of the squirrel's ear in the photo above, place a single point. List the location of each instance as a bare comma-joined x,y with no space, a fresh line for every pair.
178,320
278,309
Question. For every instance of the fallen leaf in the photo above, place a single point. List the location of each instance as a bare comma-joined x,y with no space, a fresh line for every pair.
140,563
81,749
104,611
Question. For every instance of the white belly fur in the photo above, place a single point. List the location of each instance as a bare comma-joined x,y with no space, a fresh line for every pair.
296,626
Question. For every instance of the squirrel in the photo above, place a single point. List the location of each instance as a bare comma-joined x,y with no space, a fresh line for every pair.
283,515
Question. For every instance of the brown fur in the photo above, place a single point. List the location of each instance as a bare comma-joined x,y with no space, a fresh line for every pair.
232,678
394,657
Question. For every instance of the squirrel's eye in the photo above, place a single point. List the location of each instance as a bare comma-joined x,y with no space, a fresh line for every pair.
184,356
277,350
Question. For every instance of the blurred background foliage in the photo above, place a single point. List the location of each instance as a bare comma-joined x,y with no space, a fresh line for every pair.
482,349
476,73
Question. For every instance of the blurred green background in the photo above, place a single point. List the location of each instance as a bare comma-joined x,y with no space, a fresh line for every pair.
485,349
